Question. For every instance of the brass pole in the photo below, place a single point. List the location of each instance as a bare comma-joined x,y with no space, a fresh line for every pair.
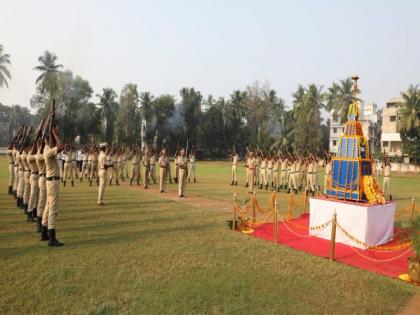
306,203
254,219
234,212
413,204
333,231
276,222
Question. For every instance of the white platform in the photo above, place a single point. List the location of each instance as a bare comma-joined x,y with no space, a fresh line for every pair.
372,224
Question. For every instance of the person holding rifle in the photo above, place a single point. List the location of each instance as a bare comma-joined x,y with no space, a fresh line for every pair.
234,160
53,147
163,170
42,197
34,178
102,172
182,172
10,155
26,173
191,172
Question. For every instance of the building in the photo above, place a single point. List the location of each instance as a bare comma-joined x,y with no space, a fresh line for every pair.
390,139
368,119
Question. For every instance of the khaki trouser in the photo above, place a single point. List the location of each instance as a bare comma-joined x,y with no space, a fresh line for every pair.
134,172
276,178
292,181
16,178
247,175
33,197
263,179
250,180
327,182
102,182
182,173
93,171
191,171
20,185
84,168
258,174
68,170
162,178
146,176
115,172
269,176
42,198
234,174
310,179
283,178
51,209
153,173
168,171
88,168
11,174
26,187
176,171
387,185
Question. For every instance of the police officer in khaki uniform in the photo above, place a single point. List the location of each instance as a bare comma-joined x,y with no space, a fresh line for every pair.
26,179
20,183
135,160
163,170
182,173
328,172
42,197
191,171
68,165
94,166
102,173
16,172
33,197
11,169
51,149
152,166
386,166
251,172
146,166
234,160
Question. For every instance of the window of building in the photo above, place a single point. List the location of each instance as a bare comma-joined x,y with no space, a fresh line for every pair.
334,143
385,144
334,130
392,118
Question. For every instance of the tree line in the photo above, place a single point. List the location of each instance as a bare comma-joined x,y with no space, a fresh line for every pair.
253,117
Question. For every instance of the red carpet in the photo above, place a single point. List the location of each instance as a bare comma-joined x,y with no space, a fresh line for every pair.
376,261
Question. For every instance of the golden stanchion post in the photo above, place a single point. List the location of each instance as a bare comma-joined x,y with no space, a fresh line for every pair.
333,231
306,203
254,219
276,223
234,212
413,205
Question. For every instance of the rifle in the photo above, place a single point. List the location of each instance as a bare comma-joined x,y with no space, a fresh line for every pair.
16,137
49,124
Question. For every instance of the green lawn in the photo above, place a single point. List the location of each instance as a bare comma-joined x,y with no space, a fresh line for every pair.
144,255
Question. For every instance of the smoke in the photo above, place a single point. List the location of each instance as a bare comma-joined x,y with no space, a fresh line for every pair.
176,121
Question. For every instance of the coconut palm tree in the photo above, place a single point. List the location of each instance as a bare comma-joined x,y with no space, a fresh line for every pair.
109,109
4,72
410,112
339,97
49,68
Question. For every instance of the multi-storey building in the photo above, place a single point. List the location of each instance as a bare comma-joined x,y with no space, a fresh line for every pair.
390,138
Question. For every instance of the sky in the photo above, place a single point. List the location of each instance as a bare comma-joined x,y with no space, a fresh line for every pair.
215,46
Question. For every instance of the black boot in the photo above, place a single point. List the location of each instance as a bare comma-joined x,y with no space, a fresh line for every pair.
44,233
260,186
117,182
195,180
246,185
110,182
64,183
390,197
278,189
97,182
296,191
29,217
34,213
281,187
81,179
90,183
38,224
14,194
131,181
266,186
25,208
18,202
236,183
72,183
138,182
10,191
53,242
231,183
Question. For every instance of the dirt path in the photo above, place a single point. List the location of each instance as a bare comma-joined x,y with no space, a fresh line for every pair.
412,307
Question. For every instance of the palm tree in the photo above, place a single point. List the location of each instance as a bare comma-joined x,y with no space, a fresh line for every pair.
340,96
314,103
109,108
4,72
49,68
410,112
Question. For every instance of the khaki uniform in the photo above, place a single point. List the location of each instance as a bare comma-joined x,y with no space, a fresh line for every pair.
53,187
263,173
26,178
302,174
16,171
163,172
135,167
93,166
283,174
146,166
21,169
34,177
182,175
258,175
310,179
191,171
327,177
68,166
11,167
102,173
292,176
387,180
42,197
270,172
124,167
276,178
85,164
251,174
153,168
234,168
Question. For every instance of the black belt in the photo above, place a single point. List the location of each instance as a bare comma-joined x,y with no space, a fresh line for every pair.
42,175
11,163
16,165
35,173
27,171
387,176
53,178
20,169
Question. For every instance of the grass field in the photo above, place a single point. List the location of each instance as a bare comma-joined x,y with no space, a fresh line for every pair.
142,254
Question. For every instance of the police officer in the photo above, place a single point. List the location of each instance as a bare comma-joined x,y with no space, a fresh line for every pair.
102,173
182,173
163,170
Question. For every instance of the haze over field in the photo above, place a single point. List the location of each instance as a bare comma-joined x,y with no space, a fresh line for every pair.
215,46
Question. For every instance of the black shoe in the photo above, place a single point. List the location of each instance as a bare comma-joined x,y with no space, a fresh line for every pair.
14,194
390,197
64,183
138,183
246,185
131,182
110,182
97,181
53,242
266,187
195,180
117,182
281,187
29,217
10,191
18,202
313,193
296,191
236,183
90,183
38,224
278,189
25,209
44,233
261,186
231,183
72,183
